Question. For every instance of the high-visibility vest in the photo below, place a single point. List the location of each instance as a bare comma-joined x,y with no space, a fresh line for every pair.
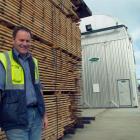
14,71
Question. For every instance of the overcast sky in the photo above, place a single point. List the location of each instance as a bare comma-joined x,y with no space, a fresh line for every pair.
127,11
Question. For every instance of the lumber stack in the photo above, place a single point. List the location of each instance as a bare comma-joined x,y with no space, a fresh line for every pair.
2,136
56,45
51,104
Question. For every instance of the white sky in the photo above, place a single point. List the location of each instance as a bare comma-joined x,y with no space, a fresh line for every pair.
127,11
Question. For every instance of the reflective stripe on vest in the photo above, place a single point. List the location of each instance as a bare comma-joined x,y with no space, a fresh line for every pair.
36,71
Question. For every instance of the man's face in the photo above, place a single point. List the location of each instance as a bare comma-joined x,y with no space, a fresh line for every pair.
22,42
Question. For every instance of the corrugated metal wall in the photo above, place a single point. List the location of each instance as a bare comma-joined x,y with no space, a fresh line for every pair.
116,62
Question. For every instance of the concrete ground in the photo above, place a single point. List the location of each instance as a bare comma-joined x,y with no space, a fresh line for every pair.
110,124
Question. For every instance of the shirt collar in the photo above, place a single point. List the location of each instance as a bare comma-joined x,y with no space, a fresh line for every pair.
21,56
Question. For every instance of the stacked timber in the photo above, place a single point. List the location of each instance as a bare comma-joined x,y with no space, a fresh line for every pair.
51,104
56,45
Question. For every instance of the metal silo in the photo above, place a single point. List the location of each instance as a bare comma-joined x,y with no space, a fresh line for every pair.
108,64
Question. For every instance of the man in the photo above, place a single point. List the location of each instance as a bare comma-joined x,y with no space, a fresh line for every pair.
22,110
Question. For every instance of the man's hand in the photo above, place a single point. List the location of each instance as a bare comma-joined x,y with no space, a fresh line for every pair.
45,121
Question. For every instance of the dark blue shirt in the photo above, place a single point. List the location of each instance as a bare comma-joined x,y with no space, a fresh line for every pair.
30,91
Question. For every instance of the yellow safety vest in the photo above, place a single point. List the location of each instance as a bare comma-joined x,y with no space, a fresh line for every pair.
14,71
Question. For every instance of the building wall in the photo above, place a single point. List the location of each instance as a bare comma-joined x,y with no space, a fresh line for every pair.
116,62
